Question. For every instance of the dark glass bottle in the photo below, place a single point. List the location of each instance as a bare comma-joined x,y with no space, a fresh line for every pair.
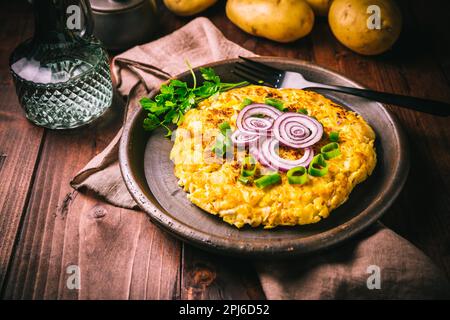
62,74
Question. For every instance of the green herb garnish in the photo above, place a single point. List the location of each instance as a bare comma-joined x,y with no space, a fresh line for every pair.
222,145
176,98
248,167
334,136
298,175
224,128
244,180
318,166
268,180
223,140
304,111
275,103
245,103
330,151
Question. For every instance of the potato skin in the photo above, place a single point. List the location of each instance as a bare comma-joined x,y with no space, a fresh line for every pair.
278,20
348,22
188,7
320,7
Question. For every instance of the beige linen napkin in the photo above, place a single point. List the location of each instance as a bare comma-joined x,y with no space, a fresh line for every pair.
340,273
144,68
351,271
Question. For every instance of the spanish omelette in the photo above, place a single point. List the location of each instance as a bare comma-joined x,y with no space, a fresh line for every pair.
212,183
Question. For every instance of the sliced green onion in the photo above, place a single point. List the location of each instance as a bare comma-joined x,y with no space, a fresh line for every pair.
222,145
330,151
224,128
245,103
275,103
268,180
218,150
318,166
298,175
248,167
304,111
244,180
223,141
334,136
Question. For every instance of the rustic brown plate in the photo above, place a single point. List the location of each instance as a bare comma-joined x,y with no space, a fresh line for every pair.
148,174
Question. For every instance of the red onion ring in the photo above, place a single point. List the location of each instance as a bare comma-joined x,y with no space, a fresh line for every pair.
269,155
257,124
241,139
256,153
297,130
265,134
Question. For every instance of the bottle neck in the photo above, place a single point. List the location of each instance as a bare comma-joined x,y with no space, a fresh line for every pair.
50,21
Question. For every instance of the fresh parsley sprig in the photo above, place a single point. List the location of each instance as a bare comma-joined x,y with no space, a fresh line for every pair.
176,98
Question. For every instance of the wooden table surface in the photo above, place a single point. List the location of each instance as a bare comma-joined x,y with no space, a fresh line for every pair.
46,226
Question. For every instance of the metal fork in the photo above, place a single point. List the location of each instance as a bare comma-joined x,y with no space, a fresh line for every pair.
263,74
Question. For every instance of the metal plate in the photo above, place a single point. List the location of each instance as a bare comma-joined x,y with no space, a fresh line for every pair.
144,161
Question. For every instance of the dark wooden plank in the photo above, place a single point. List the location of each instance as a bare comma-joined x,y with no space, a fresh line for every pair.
120,254
63,228
433,23
380,73
420,68
207,276
19,140
421,213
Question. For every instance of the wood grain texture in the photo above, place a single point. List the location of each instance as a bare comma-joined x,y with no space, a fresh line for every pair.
207,276
408,69
45,226
208,232
120,255
20,141
424,206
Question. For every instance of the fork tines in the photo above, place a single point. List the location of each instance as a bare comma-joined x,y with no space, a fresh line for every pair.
258,73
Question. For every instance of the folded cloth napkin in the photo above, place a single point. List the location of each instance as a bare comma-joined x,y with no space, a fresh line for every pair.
380,264
143,69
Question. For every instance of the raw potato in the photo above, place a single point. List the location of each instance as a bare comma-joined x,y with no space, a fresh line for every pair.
278,20
320,7
188,7
348,21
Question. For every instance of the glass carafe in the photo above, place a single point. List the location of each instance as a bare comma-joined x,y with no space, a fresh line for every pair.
62,74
